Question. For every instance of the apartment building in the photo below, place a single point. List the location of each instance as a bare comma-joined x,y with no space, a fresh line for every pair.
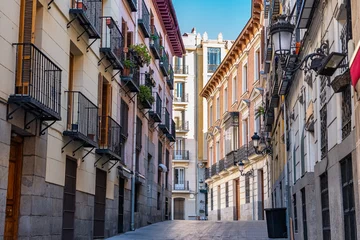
234,96
191,71
86,102
310,114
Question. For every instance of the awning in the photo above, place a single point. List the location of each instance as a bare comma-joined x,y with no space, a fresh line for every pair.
355,67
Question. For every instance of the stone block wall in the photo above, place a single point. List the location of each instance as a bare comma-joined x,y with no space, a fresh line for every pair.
111,214
84,215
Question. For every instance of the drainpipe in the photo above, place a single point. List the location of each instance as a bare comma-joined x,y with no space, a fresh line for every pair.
197,195
287,187
134,145
253,197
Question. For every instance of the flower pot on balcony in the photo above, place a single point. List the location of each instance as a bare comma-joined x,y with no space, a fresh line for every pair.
79,5
126,71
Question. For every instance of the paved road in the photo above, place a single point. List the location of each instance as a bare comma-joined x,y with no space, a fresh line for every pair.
199,230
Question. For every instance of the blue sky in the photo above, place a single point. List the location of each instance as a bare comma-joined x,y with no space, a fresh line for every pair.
213,16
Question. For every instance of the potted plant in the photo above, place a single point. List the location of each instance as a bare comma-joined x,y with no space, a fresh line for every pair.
141,54
153,38
145,96
128,65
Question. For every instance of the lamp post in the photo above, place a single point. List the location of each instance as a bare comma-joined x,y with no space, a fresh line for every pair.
262,145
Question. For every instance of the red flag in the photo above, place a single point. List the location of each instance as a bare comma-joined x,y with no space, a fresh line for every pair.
355,67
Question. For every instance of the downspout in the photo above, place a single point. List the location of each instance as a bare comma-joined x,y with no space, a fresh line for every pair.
132,225
287,198
253,197
197,196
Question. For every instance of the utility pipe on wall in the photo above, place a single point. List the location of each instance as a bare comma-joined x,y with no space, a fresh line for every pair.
287,187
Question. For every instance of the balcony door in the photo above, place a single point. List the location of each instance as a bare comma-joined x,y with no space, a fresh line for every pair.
237,199
179,179
179,148
105,108
179,212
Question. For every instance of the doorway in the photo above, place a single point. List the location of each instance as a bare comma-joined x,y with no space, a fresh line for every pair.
100,200
218,203
13,189
179,213
261,194
237,199
121,206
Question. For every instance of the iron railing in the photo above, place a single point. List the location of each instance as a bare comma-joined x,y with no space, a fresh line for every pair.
164,63
182,186
182,98
346,112
144,20
110,132
213,169
251,149
82,117
221,165
37,81
230,159
181,155
156,109
212,67
112,42
242,153
207,173
155,42
173,131
167,119
184,69
133,5
183,126
88,13
170,79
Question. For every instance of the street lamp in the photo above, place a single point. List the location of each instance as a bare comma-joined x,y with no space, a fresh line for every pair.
262,145
241,165
281,36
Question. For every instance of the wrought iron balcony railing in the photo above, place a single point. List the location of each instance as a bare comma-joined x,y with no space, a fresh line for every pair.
213,169
251,149
184,186
170,79
165,125
112,43
155,43
230,159
82,119
183,126
181,155
184,98
110,138
242,153
144,20
155,113
131,78
207,173
88,13
172,135
37,84
212,67
164,63
184,69
221,165
133,5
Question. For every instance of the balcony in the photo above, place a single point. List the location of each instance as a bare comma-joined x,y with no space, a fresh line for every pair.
242,153
230,159
165,125
88,13
251,149
221,165
181,155
181,69
144,20
82,120
155,114
213,169
164,63
183,126
182,186
155,43
37,84
172,136
132,5
112,43
183,99
110,140
207,173
131,79
212,68
170,79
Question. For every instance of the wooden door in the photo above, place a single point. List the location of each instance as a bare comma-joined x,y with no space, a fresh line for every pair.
100,199
13,190
218,203
179,209
106,111
121,206
237,200
261,181
70,88
68,225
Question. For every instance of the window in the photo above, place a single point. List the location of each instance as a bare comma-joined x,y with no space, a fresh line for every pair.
211,156
247,189
214,55
138,134
218,108
227,194
212,199
303,202
281,194
217,151
137,196
234,89
257,123
167,166
179,179
124,118
231,139
348,198
325,206
244,79
225,100
245,131
257,65
159,161
211,116
158,201
295,214
180,90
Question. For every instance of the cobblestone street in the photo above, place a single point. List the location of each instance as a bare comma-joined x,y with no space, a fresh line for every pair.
196,230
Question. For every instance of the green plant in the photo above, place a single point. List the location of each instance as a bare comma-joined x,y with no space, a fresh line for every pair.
260,111
145,94
154,37
142,52
128,64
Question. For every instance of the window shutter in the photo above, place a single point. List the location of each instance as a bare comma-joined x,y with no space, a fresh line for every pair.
27,21
124,32
129,39
100,91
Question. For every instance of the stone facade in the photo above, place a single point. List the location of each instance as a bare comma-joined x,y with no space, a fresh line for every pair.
84,215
